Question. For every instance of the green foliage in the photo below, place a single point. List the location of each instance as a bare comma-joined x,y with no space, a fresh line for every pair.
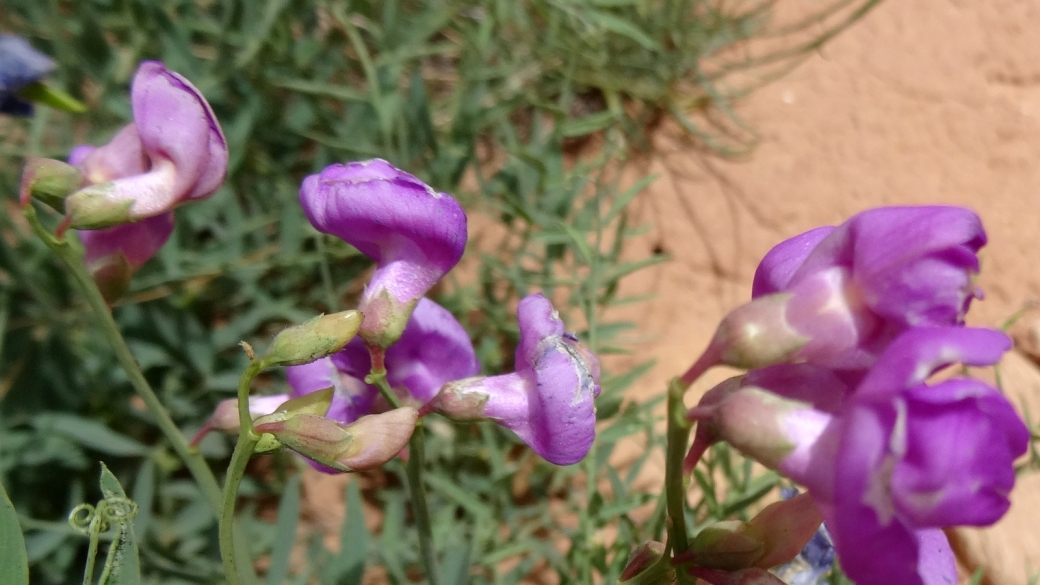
500,93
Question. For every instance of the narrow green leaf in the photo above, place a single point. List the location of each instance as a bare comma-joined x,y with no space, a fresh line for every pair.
623,28
90,433
55,98
347,567
285,532
13,557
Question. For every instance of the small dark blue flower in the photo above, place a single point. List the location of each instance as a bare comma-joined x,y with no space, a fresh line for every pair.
20,65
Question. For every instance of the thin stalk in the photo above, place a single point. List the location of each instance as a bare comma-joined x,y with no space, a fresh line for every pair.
414,470
416,488
678,436
247,439
73,259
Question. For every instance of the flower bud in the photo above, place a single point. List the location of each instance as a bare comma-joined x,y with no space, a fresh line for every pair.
725,545
312,403
641,558
369,442
49,181
225,416
321,336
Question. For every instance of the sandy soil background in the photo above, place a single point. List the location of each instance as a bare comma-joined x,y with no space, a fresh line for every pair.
931,101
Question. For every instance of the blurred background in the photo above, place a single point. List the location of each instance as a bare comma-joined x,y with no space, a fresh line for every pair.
632,158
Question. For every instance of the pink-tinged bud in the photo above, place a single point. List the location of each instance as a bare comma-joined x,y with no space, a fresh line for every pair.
784,528
753,576
369,442
182,141
414,234
641,558
225,416
49,181
462,400
319,337
773,537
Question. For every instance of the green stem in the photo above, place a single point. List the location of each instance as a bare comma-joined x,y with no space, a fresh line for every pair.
233,555
678,436
416,464
73,259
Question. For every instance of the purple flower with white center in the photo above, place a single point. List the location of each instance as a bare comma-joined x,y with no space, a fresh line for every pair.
837,296
414,234
548,401
898,460
173,153
20,66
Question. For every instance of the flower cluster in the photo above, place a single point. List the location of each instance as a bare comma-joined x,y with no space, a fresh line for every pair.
415,235
846,328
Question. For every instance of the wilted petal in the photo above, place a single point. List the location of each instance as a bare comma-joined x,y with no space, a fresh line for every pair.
548,402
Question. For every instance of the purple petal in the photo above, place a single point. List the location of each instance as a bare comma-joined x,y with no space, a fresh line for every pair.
20,65
351,397
176,123
936,564
913,264
433,350
919,352
414,234
137,242
122,157
779,264
825,389
549,401
961,440
538,321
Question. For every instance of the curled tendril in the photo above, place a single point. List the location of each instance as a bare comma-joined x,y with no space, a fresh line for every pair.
87,520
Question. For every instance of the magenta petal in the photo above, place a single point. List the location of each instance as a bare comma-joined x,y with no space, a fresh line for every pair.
777,267
413,233
961,440
821,387
914,265
919,352
137,242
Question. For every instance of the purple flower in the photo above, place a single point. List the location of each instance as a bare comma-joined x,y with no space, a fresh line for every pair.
20,65
173,153
547,401
414,234
895,459
837,296
434,349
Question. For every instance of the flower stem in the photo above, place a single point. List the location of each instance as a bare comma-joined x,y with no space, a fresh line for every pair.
416,464
73,259
678,436
414,471
233,555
